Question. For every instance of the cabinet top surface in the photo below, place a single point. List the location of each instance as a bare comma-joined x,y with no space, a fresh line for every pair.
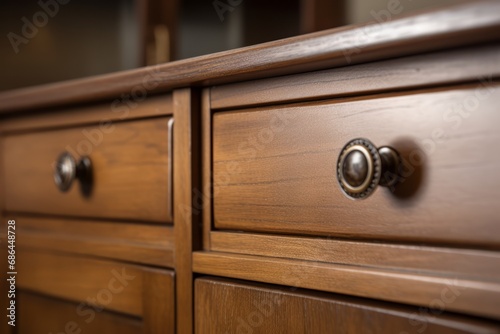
456,26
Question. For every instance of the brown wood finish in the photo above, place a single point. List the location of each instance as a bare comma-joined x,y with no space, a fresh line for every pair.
121,109
275,167
187,218
224,306
131,290
465,263
159,302
77,278
276,214
438,292
207,181
438,68
130,168
460,25
145,244
48,315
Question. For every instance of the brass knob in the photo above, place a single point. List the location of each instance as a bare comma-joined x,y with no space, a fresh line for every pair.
361,167
67,170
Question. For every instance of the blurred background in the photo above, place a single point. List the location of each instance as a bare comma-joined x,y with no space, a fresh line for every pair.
52,40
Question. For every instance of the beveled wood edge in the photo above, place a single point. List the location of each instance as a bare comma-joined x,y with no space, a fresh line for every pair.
125,252
409,311
187,142
458,25
101,114
149,245
206,191
412,72
27,283
158,301
152,235
443,292
465,263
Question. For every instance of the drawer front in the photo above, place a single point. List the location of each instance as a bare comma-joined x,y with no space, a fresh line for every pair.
42,314
223,306
275,168
128,295
131,167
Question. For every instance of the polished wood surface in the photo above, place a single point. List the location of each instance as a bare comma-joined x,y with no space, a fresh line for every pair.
159,302
48,315
130,162
75,278
135,291
120,109
275,168
464,263
405,73
437,30
139,243
205,192
187,225
255,195
405,287
224,306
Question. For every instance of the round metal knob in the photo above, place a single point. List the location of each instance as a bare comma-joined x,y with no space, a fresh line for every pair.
361,167
67,170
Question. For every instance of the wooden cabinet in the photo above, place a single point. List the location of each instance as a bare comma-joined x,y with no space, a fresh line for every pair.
225,306
234,220
100,261
276,212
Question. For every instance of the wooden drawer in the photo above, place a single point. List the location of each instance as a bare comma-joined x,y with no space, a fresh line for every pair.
97,296
49,315
274,168
224,306
131,166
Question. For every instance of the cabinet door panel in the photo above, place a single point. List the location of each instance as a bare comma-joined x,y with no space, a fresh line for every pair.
224,306
58,287
41,314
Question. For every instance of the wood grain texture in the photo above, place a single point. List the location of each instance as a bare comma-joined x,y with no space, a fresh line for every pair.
159,302
42,314
459,25
472,264
438,68
224,306
139,243
120,109
113,285
130,164
444,292
137,291
275,167
206,192
187,217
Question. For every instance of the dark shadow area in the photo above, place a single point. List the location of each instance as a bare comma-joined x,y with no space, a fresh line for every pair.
413,171
85,176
